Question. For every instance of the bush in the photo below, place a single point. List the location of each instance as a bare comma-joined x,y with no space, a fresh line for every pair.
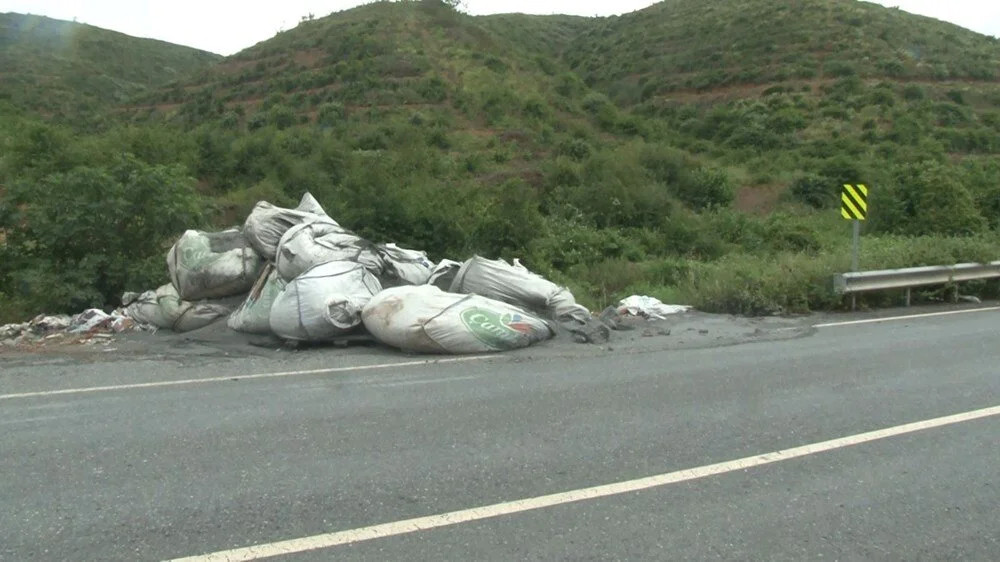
82,237
705,188
815,190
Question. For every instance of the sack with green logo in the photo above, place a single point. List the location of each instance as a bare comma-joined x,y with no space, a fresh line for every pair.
425,319
323,303
211,265
164,308
254,315
515,284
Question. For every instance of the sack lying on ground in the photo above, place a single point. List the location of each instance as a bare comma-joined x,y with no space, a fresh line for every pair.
267,223
443,274
164,308
306,245
404,267
426,319
254,315
208,265
323,303
513,283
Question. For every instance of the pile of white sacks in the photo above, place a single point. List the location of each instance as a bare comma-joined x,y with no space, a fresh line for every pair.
299,275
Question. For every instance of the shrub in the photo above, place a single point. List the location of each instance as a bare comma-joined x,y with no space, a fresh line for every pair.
705,188
82,237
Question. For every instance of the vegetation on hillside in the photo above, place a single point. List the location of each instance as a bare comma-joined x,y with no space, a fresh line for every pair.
544,138
65,68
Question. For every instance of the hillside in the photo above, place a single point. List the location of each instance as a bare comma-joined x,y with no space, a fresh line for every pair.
681,151
55,66
693,45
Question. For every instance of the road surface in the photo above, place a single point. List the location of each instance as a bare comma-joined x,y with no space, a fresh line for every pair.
648,449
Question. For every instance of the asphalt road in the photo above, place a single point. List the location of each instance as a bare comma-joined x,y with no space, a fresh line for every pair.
203,459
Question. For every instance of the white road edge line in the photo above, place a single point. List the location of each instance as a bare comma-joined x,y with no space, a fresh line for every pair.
908,317
327,540
244,377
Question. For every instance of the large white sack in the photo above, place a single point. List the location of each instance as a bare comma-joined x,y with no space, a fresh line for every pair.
267,223
164,308
306,245
403,266
426,319
254,315
515,284
209,265
324,302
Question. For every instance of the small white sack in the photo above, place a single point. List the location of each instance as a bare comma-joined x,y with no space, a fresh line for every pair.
404,267
164,308
267,223
323,303
426,319
443,274
649,307
306,245
254,315
209,265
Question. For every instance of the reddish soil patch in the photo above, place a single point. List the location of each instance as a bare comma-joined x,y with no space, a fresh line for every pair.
758,199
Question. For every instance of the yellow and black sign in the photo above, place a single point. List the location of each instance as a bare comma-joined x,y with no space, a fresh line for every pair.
854,202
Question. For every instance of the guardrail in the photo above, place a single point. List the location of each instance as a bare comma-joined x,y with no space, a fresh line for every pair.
860,281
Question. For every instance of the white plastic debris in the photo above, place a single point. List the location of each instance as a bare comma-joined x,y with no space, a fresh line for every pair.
649,307
323,303
425,319
211,265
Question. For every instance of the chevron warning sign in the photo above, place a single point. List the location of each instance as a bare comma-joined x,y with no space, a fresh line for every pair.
854,202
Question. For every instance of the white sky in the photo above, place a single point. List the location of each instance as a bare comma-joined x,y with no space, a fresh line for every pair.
227,26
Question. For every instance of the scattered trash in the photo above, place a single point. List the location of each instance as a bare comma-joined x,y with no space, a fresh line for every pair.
324,302
649,307
426,319
211,265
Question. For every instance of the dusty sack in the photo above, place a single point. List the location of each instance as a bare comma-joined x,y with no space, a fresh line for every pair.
208,265
323,303
164,308
515,284
254,315
443,274
426,319
306,245
403,266
267,223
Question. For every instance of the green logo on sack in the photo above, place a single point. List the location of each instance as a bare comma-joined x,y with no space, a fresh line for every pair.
195,253
497,331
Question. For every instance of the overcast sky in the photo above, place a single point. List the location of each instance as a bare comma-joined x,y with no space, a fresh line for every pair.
226,26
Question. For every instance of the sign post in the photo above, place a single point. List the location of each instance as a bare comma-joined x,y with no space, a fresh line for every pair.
854,207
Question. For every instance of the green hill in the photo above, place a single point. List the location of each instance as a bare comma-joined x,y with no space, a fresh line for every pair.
690,151
693,45
55,66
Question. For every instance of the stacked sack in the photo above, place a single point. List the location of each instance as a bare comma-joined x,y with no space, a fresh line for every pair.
297,274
